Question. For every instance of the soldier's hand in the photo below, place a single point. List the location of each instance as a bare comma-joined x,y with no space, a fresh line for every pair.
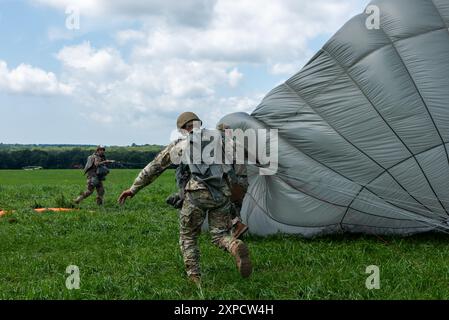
125,194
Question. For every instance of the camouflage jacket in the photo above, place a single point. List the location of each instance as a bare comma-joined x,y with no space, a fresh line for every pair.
160,163
92,164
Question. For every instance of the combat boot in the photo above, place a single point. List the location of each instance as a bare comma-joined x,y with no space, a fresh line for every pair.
241,254
78,200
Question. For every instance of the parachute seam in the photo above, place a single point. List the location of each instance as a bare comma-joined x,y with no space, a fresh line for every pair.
356,183
416,154
340,134
308,155
334,224
341,223
346,71
317,161
402,161
389,44
284,223
428,111
344,206
370,52
386,200
326,86
310,195
364,186
329,202
441,16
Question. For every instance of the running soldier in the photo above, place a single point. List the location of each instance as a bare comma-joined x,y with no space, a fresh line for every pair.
205,191
96,171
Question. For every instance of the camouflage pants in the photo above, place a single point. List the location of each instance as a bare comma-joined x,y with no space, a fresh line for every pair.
196,206
93,183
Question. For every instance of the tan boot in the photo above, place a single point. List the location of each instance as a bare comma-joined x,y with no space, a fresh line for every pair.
241,254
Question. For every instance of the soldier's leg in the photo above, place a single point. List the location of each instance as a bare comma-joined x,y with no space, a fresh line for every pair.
220,224
87,193
191,220
100,193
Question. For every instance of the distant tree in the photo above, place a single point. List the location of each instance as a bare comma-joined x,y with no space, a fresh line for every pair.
66,157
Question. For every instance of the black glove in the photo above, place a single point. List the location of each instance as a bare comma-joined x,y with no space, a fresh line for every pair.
175,200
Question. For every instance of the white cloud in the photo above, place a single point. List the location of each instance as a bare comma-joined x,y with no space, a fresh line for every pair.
235,77
284,68
84,57
188,55
92,7
125,36
55,34
264,31
186,12
26,79
128,92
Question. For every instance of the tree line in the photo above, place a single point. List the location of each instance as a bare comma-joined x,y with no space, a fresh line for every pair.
74,157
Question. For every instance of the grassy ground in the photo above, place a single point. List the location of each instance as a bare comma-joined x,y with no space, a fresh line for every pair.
132,252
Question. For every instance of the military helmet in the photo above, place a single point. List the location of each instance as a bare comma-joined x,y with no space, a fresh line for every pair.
222,127
101,147
185,118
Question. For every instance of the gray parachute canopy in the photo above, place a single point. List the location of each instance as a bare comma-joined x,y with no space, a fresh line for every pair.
363,131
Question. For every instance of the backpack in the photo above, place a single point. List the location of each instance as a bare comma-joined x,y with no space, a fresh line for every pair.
102,172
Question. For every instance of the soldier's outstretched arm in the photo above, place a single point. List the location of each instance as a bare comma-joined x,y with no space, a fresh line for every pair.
153,170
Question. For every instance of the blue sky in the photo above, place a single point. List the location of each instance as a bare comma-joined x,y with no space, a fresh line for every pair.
132,66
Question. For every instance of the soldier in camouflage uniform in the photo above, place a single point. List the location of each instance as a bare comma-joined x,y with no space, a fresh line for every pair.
199,202
96,172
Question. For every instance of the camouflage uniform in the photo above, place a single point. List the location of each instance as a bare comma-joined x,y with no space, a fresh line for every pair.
93,181
197,204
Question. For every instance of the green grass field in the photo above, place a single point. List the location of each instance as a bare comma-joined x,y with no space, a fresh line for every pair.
132,252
